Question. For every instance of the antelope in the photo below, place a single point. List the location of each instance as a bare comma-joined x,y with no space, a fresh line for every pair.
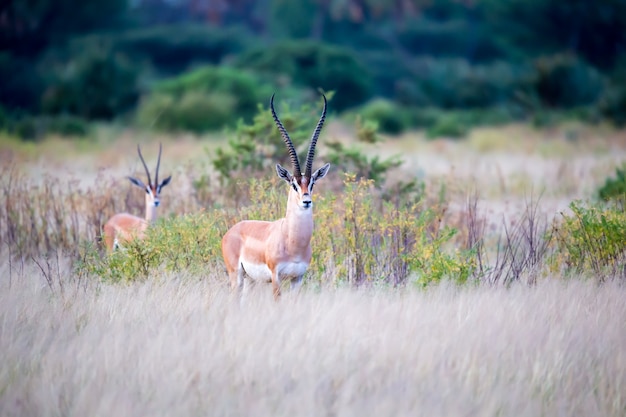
276,251
124,227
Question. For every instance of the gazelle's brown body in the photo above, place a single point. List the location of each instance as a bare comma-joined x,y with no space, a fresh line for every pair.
279,250
124,227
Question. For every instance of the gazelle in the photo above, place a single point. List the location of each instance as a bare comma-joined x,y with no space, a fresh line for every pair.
124,227
275,251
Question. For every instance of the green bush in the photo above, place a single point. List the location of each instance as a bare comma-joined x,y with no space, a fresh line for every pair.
196,112
591,240
360,239
612,103
228,93
36,127
448,125
565,81
314,65
255,147
458,123
180,243
390,117
96,85
614,188
350,159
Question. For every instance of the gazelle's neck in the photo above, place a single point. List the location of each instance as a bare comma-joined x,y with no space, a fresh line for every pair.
298,222
151,210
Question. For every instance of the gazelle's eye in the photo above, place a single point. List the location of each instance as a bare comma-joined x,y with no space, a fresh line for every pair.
294,187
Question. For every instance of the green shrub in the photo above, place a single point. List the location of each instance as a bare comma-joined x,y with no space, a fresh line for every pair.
189,243
458,123
614,188
314,65
612,103
96,85
237,91
591,240
254,148
196,112
36,127
390,117
449,125
351,159
360,239
564,80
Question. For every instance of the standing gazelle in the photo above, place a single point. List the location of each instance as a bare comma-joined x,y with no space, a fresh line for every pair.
279,250
124,227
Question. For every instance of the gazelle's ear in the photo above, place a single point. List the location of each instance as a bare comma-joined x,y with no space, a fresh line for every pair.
283,173
165,182
137,182
320,173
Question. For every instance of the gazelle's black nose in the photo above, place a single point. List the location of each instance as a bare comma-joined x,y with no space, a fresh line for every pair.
156,203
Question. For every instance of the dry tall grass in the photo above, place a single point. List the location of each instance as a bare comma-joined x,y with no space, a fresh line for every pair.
179,345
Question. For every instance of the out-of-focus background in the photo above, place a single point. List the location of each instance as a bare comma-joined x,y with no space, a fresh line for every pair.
445,66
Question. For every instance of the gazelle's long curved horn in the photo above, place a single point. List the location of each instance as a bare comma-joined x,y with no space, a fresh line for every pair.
316,134
156,174
283,132
144,165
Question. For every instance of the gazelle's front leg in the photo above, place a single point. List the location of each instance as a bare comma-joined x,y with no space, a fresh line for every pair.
236,280
276,285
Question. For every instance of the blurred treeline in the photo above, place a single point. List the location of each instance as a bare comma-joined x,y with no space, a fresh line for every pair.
201,65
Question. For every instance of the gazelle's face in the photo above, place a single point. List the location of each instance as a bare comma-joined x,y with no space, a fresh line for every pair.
302,188
153,192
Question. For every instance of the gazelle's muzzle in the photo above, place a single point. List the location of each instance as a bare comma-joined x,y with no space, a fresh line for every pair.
306,201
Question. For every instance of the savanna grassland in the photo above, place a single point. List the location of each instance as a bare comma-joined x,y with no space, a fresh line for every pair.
461,281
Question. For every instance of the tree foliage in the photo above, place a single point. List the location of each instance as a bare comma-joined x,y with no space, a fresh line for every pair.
455,55
28,26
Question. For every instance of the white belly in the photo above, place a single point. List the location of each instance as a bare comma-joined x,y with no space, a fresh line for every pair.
257,272
287,270
290,270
